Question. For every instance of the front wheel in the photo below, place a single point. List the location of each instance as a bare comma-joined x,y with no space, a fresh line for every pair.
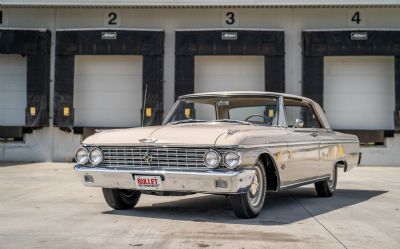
328,187
121,199
249,205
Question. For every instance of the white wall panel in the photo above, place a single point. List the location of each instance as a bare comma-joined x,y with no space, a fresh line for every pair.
12,90
359,92
58,145
108,91
229,73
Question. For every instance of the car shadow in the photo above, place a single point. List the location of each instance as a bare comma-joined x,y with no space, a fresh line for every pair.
281,208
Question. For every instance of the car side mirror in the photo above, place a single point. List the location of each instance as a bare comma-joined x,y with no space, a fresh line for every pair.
298,123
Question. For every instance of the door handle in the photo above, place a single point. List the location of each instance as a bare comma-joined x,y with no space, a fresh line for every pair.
314,134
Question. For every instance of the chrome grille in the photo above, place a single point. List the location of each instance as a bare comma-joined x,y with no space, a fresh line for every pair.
153,156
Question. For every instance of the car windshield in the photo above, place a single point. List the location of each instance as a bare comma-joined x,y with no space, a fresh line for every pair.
247,110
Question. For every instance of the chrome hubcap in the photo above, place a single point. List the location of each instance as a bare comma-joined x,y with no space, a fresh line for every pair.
255,192
331,181
254,187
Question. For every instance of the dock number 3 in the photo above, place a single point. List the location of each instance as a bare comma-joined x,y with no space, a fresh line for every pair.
230,18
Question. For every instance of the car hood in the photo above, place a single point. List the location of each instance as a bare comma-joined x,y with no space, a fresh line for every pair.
202,134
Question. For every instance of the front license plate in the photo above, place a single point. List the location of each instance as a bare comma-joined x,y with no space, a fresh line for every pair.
148,182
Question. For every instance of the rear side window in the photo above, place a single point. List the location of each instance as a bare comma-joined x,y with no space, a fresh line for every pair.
297,109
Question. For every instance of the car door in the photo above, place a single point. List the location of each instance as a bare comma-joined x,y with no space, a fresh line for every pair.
303,141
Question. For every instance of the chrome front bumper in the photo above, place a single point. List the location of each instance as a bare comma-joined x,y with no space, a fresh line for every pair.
194,181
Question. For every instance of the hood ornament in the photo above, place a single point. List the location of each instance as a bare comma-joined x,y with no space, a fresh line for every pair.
147,140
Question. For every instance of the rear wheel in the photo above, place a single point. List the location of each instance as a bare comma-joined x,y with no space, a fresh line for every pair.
120,199
249,205
328,187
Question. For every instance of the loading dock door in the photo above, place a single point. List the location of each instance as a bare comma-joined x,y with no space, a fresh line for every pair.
229,73
12,90
359,92
108,90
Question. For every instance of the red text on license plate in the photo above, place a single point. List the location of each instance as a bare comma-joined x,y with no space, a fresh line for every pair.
148,182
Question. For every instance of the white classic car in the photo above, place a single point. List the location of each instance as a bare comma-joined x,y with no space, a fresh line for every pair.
239,144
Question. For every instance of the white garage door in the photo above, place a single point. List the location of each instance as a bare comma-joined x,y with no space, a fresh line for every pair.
229,73
12,90
108,91
359,92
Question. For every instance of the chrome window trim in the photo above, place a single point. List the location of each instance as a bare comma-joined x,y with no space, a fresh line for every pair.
281,120
311,104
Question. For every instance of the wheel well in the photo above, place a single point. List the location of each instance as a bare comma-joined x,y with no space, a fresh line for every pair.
272,174
341,164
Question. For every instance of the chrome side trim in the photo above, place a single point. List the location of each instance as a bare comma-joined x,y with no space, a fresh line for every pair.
296,144
298,184
338,142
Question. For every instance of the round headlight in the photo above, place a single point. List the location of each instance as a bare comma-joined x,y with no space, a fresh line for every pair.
96,156
231,159
212,159
82,156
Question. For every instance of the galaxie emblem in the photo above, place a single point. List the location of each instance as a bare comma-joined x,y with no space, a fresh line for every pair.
147,140
147,158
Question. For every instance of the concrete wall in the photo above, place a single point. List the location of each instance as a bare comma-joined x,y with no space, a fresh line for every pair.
52,144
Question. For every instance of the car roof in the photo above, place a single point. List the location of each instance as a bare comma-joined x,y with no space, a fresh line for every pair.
242,93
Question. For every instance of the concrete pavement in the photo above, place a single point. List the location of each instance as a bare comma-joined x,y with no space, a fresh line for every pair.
43,205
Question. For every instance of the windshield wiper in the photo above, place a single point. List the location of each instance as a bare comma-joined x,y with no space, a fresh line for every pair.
190,120
232,121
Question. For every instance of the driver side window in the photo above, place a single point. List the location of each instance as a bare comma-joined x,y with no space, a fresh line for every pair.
262,115
297,109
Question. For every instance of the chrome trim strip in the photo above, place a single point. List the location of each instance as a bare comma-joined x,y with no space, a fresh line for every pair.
338,142
296,144
205,146
297,184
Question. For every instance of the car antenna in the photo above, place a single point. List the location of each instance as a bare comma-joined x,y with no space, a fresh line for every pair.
144,104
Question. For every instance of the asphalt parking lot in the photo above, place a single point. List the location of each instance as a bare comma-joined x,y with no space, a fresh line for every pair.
43,205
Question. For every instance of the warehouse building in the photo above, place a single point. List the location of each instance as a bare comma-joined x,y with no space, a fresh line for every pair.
68,68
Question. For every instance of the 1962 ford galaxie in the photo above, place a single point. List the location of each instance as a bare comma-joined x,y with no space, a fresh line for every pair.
239,144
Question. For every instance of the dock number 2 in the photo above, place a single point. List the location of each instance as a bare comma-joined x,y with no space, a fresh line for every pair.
112,18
